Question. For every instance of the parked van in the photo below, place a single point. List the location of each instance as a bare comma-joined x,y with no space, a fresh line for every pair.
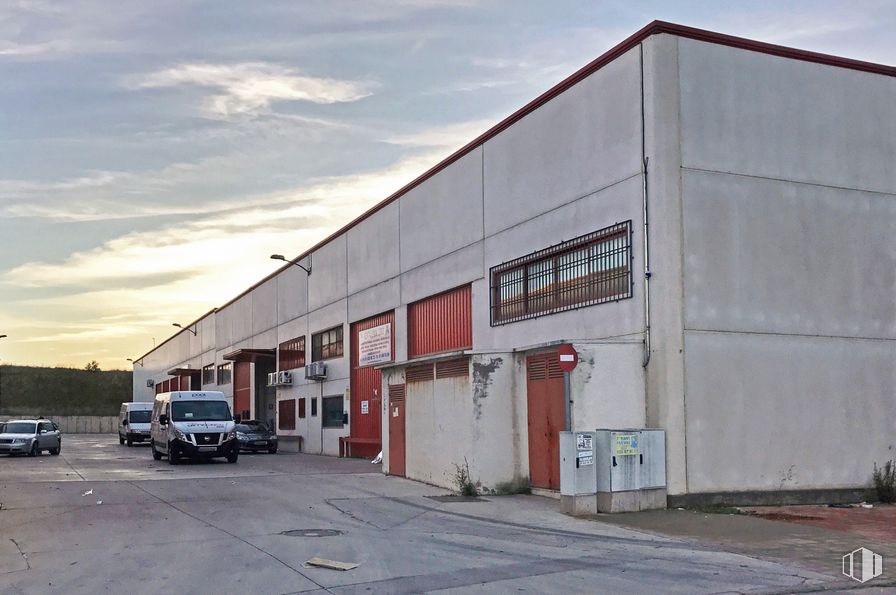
133,422
193,424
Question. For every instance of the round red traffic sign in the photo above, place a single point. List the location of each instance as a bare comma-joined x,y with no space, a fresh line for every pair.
568,357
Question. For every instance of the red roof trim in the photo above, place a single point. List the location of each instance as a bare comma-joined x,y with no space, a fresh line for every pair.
654,28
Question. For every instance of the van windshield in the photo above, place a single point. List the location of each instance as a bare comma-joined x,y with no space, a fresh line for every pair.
140,417
200,411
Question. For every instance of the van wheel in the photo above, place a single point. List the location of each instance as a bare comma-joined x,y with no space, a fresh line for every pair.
130,442
156,455
233,456
120,439
173,455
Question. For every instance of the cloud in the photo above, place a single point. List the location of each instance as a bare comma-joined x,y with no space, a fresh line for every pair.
253,87
449,136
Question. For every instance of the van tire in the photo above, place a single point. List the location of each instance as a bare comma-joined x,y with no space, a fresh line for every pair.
120,439
156,455
130,442
233,456
173,455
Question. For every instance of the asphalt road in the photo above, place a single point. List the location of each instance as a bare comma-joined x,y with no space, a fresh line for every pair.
105,518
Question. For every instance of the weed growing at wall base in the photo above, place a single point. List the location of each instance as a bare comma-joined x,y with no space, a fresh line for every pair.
884,479
462,480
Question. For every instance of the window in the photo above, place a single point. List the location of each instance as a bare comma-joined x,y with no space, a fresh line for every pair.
225,373
286,414
292,353
327,344
590,269
208,374
332,412
313,406
302,408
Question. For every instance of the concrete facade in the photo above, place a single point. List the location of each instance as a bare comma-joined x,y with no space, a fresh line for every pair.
771,200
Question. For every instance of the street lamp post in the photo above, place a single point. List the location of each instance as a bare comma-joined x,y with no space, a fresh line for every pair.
283,258
186,328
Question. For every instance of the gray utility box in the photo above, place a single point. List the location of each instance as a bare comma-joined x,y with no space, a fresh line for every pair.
630,468
578,473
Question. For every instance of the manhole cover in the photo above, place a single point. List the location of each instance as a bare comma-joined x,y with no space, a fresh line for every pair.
312,533
452,498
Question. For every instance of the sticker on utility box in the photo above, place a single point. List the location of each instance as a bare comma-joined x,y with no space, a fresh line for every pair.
583,442
626,444
585,458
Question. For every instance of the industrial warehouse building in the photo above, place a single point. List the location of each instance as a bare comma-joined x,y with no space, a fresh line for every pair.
708,220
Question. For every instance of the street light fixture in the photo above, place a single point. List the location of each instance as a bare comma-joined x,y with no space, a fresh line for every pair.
281,257
186,328
136,361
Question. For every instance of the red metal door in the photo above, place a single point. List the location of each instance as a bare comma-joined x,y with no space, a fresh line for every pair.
396,430
365,418
242,383
544,396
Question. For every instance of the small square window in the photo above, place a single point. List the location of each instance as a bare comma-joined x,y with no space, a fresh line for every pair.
326,344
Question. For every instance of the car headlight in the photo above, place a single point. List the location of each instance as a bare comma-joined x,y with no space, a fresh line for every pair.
181,435
232,434
19,441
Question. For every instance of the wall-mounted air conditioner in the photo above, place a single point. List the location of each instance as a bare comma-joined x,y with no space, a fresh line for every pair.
272,379
284,377
316,371
150,383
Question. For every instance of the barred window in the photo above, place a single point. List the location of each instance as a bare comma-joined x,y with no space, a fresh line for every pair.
208,374
225,373
292,353
326,344
590,269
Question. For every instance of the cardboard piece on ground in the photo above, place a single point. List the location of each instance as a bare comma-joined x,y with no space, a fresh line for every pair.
331,564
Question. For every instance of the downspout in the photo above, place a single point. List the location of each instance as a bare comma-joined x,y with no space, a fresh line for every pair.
644,162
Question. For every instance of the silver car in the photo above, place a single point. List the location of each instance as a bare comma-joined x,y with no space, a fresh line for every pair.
29,436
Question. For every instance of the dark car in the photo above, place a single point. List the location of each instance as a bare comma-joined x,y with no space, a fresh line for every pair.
30,436
255,435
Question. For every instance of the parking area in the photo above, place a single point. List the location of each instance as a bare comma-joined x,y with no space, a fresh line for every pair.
103,517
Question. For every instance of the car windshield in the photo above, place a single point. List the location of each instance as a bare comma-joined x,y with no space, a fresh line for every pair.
140,417
20,428
200,411
252,428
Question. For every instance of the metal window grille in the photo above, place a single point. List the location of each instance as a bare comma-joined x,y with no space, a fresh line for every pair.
453,367
591,269
420,373
292,353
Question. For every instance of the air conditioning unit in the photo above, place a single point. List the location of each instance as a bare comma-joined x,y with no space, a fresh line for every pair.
272,379
316,371
284,377
150,383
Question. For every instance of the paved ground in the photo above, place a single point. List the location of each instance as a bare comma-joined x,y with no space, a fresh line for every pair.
249,528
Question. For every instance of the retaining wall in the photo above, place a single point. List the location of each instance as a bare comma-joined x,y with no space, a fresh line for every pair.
80,424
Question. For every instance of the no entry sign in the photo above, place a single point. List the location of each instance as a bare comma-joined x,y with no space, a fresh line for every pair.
568,358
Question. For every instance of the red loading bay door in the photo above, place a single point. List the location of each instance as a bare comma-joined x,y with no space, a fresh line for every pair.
396,430
544,396
242,383
365,418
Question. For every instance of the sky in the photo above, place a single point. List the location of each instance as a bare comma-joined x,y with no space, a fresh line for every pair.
153,155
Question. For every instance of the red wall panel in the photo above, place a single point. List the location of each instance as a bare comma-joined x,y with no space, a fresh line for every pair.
366,385
443,322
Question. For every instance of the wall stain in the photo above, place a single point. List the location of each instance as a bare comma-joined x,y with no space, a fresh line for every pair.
482,379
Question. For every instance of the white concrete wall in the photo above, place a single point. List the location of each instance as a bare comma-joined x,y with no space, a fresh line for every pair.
789,206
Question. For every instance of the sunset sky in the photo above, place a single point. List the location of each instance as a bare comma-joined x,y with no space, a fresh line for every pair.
154,154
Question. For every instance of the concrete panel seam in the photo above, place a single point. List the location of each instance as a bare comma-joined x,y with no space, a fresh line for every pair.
788,181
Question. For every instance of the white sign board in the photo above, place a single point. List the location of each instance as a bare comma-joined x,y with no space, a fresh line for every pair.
365,407
583,442
375,345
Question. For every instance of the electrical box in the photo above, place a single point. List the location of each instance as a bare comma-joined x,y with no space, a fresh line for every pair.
578,477
630,469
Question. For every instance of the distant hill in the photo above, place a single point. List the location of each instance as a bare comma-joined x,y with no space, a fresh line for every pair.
28,390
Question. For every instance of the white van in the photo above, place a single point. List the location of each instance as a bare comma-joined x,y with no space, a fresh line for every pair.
193,424
133,422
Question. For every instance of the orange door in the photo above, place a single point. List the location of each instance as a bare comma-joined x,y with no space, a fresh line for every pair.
544,396
396,430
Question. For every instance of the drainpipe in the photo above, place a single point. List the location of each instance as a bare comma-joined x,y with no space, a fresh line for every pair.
644,162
